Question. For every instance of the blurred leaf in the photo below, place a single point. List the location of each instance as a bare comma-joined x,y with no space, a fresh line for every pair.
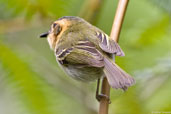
26,82
154,84
163,4
44,8
154,32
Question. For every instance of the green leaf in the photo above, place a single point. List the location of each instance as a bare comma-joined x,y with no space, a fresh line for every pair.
26,82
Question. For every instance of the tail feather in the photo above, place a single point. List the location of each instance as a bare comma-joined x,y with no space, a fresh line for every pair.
117,77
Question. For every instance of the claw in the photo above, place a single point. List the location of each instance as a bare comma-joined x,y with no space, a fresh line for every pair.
99,97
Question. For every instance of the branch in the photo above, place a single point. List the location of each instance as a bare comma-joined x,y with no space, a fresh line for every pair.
115,32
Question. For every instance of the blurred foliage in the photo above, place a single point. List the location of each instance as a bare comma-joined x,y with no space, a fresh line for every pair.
43,8
31,82
164,4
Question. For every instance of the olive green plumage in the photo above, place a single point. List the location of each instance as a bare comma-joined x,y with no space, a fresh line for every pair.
83,51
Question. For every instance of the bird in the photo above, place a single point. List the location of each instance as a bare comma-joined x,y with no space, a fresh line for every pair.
84,52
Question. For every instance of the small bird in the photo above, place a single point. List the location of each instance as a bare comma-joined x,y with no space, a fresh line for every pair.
84,52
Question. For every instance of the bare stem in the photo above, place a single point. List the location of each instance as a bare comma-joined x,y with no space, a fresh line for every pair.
118,20
115,32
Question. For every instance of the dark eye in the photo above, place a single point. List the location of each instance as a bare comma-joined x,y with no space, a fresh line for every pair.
57,29
54,25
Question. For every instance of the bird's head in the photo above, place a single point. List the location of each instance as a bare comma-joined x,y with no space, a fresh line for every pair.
58,27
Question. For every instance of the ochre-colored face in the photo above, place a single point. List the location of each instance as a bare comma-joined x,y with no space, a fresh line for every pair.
57,28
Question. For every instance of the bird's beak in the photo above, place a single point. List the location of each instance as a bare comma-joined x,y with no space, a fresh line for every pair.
44,35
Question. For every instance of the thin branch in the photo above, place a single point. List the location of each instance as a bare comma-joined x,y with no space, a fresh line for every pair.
115,32
119,16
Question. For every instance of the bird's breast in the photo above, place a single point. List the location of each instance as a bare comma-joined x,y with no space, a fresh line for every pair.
83,72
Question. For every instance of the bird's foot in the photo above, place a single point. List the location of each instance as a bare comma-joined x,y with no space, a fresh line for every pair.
99,97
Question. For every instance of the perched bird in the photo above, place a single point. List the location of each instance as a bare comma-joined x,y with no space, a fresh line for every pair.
84,52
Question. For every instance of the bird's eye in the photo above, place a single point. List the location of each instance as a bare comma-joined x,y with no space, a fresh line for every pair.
54,25
57,29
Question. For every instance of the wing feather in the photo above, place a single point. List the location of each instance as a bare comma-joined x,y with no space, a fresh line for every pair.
108,45
84,52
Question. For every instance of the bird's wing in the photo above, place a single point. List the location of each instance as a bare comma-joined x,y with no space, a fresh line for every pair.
108,45
83,53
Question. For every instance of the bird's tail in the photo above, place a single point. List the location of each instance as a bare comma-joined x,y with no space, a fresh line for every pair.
117,77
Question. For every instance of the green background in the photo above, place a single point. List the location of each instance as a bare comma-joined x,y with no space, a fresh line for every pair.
31,82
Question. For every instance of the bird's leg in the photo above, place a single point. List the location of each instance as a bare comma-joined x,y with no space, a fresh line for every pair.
97,90
100,96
